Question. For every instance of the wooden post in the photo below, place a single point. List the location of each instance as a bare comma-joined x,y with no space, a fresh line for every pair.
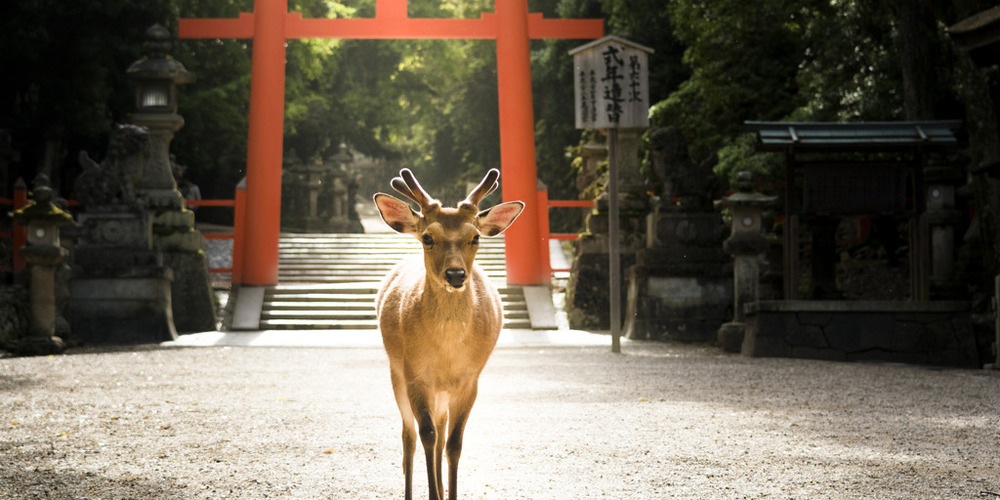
264,148
517,141
542,202
614,243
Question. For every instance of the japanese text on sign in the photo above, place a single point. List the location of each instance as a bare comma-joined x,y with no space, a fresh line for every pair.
611,84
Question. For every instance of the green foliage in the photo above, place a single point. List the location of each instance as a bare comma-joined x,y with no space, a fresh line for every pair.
62,81
431,105
802,60
743,59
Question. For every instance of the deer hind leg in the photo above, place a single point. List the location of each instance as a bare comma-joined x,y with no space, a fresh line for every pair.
458,414
409,433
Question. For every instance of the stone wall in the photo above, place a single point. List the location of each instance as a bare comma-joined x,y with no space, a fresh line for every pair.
934,332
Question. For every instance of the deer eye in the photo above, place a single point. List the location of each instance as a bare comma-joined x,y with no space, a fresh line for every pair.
428,240
475,240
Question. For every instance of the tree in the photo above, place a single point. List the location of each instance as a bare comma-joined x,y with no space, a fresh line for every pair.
62,81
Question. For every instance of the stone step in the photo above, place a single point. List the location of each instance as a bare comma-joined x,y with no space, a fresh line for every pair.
330,281
310,304
339,324
360,268
316,324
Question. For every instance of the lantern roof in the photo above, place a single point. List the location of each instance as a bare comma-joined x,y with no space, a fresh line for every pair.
156,63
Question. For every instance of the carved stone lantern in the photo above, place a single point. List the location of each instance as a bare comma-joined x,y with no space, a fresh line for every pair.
156,76
746,243
43,254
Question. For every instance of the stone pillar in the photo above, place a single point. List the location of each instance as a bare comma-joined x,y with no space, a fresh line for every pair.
629,176
43,254
746,243
343,191
293,193
315,177
941,218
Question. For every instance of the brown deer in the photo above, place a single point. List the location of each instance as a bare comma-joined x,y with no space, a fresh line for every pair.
440,317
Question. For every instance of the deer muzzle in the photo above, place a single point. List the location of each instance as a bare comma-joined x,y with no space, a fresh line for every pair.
455,277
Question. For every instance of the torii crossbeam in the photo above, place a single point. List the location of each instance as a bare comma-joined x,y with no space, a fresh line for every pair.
270,25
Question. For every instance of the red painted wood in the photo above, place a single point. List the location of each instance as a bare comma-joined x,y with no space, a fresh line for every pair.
271,25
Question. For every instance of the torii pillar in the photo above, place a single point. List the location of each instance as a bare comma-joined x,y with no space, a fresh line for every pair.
270,25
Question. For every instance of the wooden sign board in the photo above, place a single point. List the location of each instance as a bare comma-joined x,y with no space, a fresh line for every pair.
611,84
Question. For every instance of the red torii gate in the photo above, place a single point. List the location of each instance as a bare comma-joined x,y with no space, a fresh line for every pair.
270,25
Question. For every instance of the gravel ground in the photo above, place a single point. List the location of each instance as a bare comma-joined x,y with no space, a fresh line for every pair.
659,421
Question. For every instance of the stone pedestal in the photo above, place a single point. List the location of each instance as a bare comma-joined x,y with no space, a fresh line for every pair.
123,294
679,286
588,298
133,309
173,231
42,262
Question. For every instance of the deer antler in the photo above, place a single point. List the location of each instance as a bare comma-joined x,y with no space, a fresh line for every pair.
406,184
485,187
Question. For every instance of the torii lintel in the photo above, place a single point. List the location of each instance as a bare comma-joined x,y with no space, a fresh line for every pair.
380,28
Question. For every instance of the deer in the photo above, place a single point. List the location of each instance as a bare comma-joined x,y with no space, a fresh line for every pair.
440,317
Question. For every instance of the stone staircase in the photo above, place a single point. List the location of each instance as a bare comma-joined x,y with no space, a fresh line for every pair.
329,281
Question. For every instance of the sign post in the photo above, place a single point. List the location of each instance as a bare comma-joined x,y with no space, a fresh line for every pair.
611,92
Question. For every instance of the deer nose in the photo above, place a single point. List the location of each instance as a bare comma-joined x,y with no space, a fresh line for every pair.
455,277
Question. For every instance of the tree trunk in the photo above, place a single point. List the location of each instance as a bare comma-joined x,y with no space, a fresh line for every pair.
917,40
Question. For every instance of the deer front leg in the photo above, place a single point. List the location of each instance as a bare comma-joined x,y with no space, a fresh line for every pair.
441,425
458,412
420,403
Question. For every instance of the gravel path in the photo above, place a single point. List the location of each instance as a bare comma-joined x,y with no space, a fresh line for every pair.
659,421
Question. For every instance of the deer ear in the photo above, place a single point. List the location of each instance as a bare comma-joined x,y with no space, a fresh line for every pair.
397,214
495,220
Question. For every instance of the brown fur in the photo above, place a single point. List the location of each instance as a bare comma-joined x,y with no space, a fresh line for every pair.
438,336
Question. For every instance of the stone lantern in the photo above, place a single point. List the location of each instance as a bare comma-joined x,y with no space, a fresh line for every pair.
746,243
43,254
338,190
156,76
173,226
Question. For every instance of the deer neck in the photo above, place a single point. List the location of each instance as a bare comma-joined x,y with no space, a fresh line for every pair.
448,306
